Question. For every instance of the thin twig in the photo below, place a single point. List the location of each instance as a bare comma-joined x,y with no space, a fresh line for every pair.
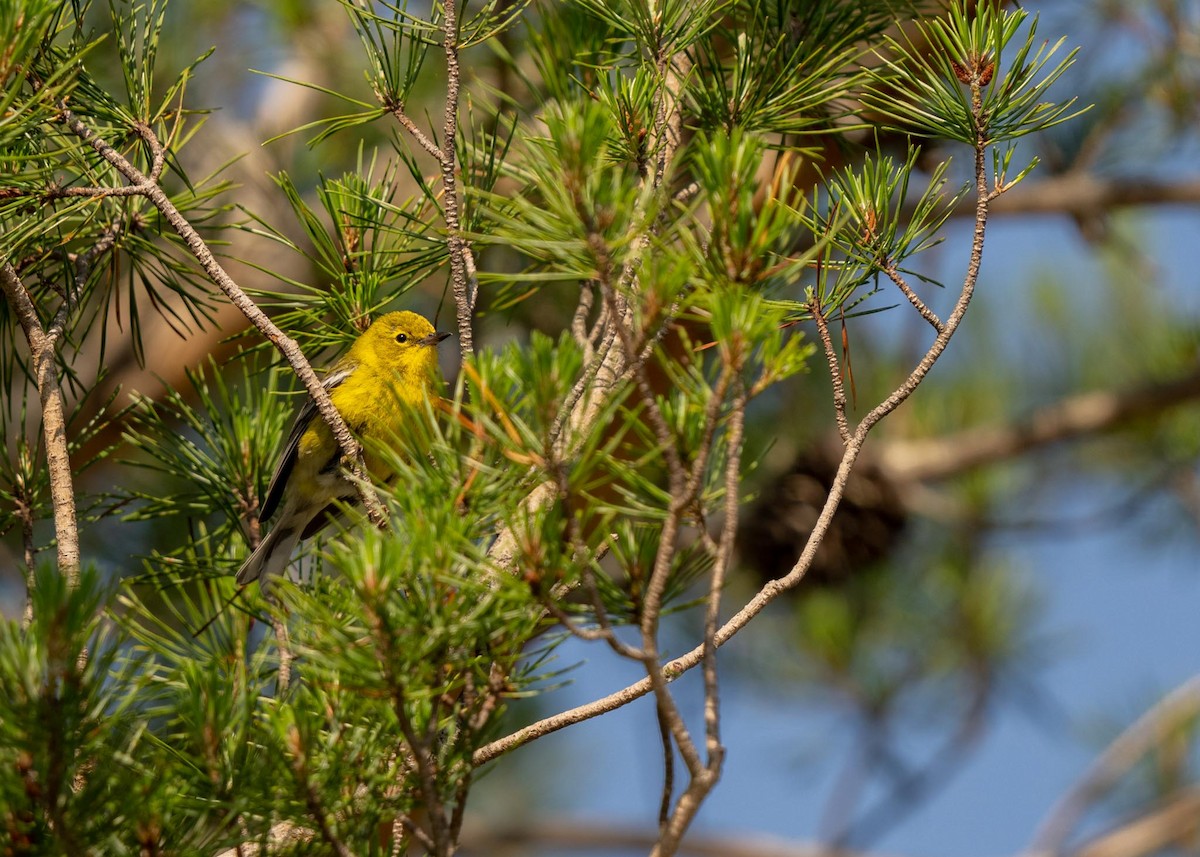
889,268
701,784
600,327
685,193
678,485
615,313
463,278
668,784
599,376
611,364
426,772
72,295
423,139
158,153
664,327
677,478
603,631
464,779
703,774
406,828
465,286
658,422
835,368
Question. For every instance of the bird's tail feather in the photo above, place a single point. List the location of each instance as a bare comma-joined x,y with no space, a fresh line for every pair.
270,557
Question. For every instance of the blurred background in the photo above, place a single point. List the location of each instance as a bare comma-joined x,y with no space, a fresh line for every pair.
1013,578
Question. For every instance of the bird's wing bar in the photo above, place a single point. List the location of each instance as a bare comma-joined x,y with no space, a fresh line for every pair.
287,458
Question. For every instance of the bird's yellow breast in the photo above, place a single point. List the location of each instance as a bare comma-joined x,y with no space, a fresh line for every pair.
374,406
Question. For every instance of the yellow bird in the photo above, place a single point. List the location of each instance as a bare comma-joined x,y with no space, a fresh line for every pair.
391,367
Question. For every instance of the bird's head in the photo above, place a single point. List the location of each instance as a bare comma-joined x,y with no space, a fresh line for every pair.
404,342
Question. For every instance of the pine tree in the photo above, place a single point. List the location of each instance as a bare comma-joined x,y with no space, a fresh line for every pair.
665,181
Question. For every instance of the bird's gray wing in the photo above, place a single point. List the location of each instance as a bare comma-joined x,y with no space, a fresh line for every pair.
287,458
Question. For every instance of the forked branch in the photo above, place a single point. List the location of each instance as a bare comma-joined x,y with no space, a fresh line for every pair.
853,447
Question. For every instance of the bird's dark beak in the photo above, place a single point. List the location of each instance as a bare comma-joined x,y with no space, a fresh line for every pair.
433,338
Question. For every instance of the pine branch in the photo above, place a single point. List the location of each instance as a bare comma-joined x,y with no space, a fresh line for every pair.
853,448
148,187
835,368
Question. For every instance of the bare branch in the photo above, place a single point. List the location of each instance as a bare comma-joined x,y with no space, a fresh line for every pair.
58,459
604,630
835,368
462,264
683,486
1086,195
423,139
1165,826
56,192
673,70
668,784
600,378
600,375
729,529
1068,419
419,749
504,549
662,431
405,831
889,268
463,279
83,269
702,782
158,153
685,194
282,642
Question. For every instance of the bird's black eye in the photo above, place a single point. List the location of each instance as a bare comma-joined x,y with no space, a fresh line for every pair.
402,337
